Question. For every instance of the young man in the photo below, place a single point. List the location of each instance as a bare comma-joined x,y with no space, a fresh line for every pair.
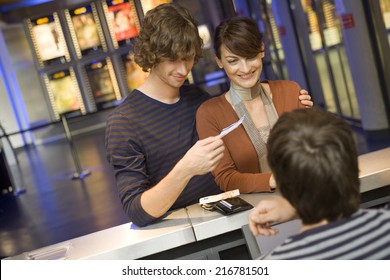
313,157
151,138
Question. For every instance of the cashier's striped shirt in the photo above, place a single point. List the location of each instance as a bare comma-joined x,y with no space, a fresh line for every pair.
364,235
145,139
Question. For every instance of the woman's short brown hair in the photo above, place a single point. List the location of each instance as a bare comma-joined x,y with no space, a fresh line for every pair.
240,35
168,32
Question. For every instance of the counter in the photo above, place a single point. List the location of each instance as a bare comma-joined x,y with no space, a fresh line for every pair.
195,233
126,241
375,178
207,224
374,170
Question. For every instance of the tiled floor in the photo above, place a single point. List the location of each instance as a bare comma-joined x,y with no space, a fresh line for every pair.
55,208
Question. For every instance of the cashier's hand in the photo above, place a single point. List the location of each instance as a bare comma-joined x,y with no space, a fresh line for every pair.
267,212
272,182
204,156
305,98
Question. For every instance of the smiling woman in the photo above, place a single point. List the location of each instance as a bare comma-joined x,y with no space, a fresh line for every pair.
239,51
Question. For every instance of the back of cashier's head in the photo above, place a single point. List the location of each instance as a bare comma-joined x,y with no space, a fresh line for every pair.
313,156
169,32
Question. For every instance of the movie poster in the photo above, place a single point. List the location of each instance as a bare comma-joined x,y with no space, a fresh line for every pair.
134,74
123,18
48,38
86,31
64,92
150,4
100,82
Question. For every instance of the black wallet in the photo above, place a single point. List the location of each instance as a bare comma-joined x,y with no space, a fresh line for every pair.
232,205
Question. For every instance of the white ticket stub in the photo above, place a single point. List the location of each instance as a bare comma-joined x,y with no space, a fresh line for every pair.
231,127
218,197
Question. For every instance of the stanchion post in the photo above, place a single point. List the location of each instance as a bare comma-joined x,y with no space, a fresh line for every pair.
5,135
7,184
79,173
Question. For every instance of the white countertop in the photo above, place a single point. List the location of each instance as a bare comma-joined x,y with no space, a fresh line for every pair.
186,225
374,170
122,242
208,224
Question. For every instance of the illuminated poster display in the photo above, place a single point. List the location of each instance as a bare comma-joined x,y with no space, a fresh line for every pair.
48,40
122,20
85,30
150,4
102,81
64,92
134,74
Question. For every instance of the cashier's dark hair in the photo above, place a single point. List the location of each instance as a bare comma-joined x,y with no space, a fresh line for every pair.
313,156
169,32
240,35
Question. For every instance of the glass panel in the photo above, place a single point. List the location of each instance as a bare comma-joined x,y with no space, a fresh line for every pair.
272,40
327,45
385,8
317,48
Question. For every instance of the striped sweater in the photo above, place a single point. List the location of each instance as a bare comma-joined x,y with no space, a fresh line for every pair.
364,235
145,139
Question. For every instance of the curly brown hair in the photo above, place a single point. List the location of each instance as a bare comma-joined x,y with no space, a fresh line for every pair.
168,32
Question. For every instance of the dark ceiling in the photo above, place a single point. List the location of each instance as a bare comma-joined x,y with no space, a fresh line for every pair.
14,11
